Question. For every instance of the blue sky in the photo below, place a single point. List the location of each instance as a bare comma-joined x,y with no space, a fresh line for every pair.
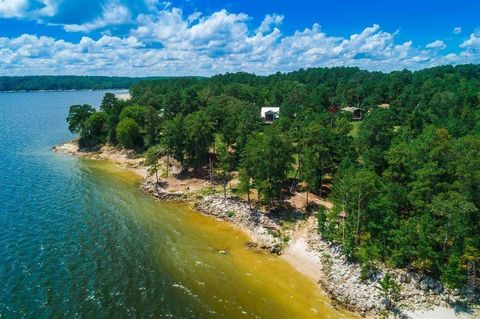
199,37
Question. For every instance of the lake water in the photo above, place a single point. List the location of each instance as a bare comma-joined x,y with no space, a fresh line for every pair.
78,239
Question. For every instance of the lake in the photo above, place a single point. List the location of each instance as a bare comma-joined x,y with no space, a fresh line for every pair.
78,238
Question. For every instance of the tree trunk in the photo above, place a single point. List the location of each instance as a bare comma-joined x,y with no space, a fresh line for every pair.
307,200
445,244
321,183
211,172
225,189
296,175
156,172
357,232
343,222
168,163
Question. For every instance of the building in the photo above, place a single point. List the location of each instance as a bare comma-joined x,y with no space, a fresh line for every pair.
123,96
270,114
384,106
357,113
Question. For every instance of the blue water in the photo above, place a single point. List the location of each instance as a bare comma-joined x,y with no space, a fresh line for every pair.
66,247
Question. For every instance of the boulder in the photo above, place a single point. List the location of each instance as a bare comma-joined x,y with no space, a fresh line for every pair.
405,278
424,285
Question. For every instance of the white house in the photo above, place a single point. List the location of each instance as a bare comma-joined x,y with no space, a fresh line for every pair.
270,114
123,96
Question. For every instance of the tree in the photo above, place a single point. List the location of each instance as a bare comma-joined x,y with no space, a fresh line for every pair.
224,166
269,159
173,138
112,107
374,138
128,134
94,132
198,139
317,155
77,116
245,182
455,216
353,190
135,112
152,156
152,126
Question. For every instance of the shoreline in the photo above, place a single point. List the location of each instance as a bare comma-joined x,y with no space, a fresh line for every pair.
305,251
54,91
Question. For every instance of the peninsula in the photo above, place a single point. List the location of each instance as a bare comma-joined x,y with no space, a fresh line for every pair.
366,182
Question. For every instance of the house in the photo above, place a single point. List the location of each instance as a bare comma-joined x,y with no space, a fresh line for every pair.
123,96
270,114
357,113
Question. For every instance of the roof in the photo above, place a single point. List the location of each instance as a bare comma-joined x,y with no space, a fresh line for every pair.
265,110
351,109
124,96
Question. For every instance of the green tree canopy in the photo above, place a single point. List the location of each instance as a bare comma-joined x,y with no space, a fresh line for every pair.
77,116
135,112
95,130
128,134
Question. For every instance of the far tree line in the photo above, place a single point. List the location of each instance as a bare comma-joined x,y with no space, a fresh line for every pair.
405,181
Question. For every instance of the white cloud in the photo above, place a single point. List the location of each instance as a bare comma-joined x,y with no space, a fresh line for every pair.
12,8
472,43
269,21
165,26
28,9
436,45
113,13
164,42
457,30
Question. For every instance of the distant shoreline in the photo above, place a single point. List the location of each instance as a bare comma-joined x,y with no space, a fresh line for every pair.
70,90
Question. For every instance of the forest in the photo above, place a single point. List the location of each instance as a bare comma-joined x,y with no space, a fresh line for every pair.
405,181
59,83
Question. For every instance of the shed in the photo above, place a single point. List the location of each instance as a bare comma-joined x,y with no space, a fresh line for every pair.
270,114
357,113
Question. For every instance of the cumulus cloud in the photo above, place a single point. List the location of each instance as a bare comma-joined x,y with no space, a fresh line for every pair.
167,42
113,13
436,45
473,42
12,8
269,21
457,30
28,9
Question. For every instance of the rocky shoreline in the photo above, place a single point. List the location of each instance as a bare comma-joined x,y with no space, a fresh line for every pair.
339,278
